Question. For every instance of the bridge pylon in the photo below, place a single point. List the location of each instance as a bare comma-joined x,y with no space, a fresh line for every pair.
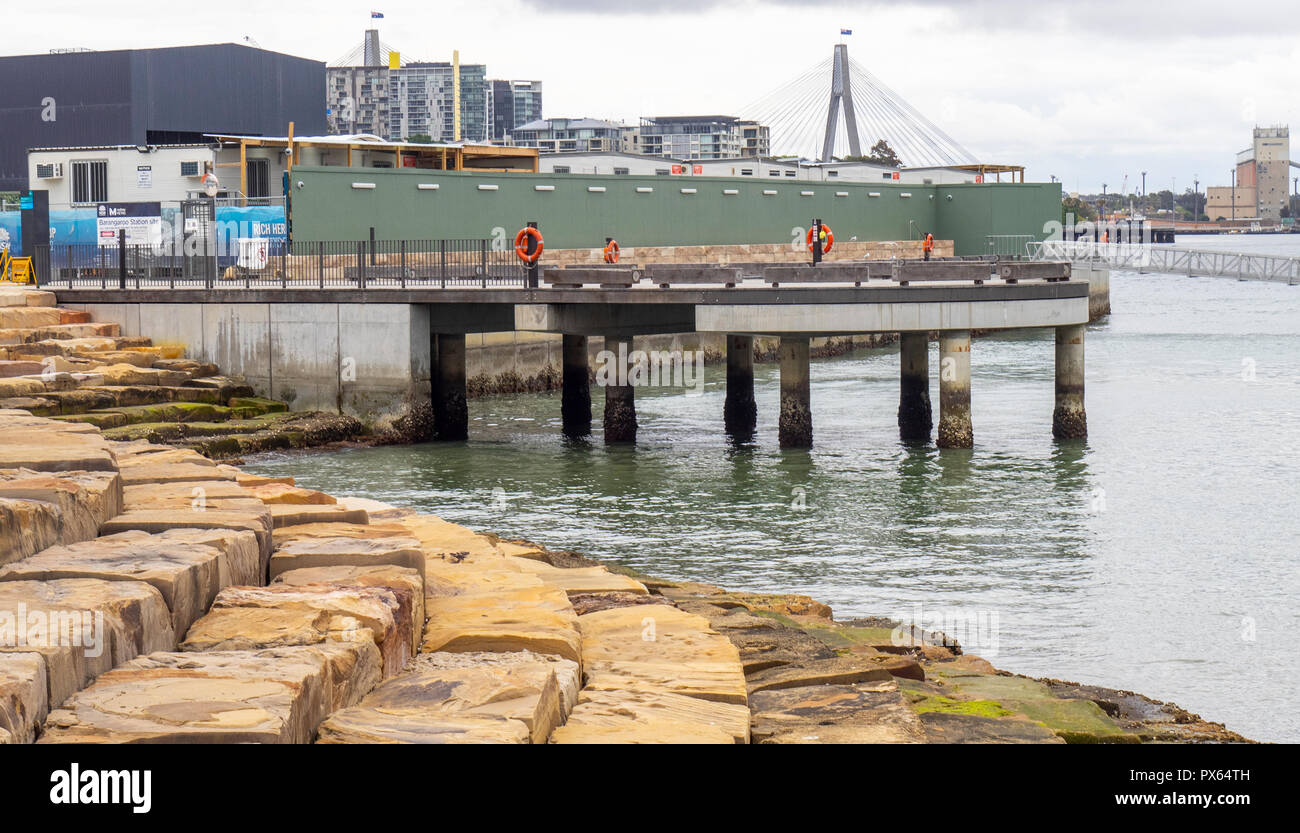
841,96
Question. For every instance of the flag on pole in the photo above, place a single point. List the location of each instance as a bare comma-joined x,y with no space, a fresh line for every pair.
374,15
842,31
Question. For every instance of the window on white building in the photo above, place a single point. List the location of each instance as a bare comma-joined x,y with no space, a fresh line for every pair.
90,181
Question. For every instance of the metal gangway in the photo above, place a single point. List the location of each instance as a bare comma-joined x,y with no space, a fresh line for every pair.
1144,257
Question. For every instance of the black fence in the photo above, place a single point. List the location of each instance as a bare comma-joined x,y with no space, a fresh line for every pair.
278,264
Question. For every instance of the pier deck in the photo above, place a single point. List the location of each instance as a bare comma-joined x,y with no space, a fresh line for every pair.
397,331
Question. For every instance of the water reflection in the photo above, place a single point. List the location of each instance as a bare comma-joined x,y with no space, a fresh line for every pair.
1078,545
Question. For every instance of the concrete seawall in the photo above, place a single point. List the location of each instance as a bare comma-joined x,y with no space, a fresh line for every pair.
367,360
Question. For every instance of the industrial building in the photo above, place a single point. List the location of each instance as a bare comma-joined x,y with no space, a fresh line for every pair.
144,97
1260,190
248,168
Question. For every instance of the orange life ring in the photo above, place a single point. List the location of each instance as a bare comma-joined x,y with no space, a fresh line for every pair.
521,245
830,239
611,251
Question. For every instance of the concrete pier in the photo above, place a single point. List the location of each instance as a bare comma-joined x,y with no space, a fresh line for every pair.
795,426
739,413
620,404
954,390
450,411
915,417
575,387
1069,419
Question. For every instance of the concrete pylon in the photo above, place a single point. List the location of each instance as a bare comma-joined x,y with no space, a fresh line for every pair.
1069,419
841,93
915,416
795,424
954,390
620,403
450,409
739,413
575,387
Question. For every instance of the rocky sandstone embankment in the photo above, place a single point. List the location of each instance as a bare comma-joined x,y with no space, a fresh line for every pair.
150,594
60,364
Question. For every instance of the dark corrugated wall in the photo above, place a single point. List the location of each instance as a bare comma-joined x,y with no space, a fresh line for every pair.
117,98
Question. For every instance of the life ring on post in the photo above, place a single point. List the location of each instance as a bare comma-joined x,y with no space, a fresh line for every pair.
521,245
611,251
827,244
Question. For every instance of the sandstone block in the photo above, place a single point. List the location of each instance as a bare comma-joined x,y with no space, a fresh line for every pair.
350,552
188,576
277,695
150,472
292,515
12,296
24,695
404,582
77,518
579,579
658,731
434,702
439,537
639,709
338,530
836,670
57,619
27,527
156,495
62,457
286,494
361,725
162,520
535,619
871,712
374,509
660,648
351,608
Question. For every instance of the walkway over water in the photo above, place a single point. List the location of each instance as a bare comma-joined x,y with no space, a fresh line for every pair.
404,329
1145,257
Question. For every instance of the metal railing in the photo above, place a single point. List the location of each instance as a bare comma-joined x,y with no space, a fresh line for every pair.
1007,245
1171,260
265,263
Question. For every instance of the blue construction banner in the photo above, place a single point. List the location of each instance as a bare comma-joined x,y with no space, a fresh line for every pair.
81,225
265,221
11,231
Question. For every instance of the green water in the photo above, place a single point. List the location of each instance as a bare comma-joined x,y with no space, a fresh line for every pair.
1159,556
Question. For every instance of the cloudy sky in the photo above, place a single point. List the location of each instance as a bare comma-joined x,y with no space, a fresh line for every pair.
1089,92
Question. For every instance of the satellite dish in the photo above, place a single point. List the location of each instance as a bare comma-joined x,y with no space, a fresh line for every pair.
210,184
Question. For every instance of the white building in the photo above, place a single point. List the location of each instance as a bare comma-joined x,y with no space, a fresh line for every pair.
766,168
120,173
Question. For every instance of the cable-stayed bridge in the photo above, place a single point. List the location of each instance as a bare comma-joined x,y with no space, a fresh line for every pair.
805,118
